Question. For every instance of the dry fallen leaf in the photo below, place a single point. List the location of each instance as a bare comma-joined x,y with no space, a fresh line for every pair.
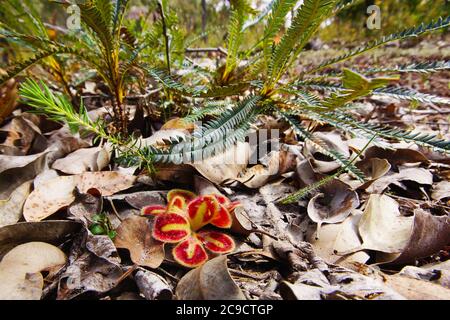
49,197
153,286
107,182
25,260
441,190
414,289
429,234
419,175
373,169
8,97
333,205
94,266
337,238
82,160
135,234
397,156
11,162
11,209
225,166
382,227
211,281
54,232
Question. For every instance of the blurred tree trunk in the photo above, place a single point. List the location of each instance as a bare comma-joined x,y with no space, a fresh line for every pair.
204,18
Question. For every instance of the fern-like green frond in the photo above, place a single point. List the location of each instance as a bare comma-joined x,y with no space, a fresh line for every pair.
23,65
422,29
97,15
215,137
421,67
264,12
224,91
323,148
347,123
239,14
305,23
210,108
275,22
345,4
411,95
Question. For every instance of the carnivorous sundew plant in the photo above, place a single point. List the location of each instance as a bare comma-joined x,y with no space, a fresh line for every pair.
182,222
252,80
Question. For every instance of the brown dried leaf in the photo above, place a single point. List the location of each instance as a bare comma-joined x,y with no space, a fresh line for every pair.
107,182
211,281
11,209
429,234
152,286
49,197
134,234
333,205
382,227
82,160
23,260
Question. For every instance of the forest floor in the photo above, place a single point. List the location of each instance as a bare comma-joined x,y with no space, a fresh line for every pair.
385,239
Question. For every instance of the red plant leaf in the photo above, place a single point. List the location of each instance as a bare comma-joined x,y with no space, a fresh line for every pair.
222,199
171,227
188,196
222,219
153,210
177,204
202,211
217,242
233,205
190,253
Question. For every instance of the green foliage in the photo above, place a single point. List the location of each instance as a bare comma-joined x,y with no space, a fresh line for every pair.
252,79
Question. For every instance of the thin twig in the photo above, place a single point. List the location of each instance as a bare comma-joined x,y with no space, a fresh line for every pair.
201,50
166,37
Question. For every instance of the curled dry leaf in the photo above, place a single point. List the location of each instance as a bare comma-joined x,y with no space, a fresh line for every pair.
429,234
373,169
11,209
419,175
82,160
332,141
397,156
211,281
339,238
62,142
225,166
8,97
11,162
152,286
13,178
273,165
21,135
94,266
333,205
382,227
135,234
441,190
25,260
49,197
54,232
